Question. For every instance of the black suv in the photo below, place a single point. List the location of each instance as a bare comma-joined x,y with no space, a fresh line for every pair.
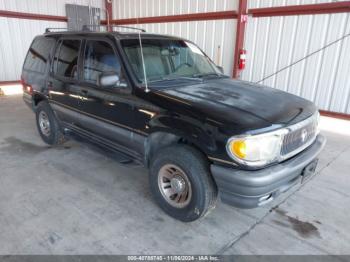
162,102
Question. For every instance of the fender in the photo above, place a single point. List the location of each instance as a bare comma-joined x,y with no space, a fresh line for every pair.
164,130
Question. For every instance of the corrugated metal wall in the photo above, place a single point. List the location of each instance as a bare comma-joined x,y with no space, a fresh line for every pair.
273,3
15,38
216,38
147,8
46,7
272,43
276,42
17,34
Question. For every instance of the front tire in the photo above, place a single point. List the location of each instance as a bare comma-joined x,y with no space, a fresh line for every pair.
181,183
48,125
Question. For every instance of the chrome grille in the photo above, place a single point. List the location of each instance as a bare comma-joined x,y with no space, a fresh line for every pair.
300,136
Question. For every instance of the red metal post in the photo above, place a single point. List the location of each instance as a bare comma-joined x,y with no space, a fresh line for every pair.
109,13
31,16
241,21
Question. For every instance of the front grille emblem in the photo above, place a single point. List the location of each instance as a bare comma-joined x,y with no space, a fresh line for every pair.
303,135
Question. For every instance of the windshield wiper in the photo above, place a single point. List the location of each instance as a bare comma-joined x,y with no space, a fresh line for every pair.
205,75
176,78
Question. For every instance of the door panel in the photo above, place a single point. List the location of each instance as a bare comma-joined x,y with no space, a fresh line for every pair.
110,108
62,83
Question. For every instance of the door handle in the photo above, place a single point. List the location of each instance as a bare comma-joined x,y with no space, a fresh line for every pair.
83,94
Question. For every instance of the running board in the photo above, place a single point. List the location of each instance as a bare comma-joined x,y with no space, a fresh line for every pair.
102,145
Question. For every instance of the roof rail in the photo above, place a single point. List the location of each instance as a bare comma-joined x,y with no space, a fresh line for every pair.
87,27
93,27
50,29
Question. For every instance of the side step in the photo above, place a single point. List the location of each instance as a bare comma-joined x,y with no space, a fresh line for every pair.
102,147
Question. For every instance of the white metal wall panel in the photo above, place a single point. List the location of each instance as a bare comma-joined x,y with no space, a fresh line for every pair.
46,7
17,34
273,43
215,37
15,39
273,3
340,99
148,8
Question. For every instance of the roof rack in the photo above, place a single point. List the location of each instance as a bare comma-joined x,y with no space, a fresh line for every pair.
50,29
93,27
87,27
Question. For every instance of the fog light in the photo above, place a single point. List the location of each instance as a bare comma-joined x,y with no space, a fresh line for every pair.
265,199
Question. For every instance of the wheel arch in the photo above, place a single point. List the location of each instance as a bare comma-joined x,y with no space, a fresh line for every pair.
37,98
160,139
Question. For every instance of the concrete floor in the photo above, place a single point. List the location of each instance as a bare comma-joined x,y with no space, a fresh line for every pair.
76,200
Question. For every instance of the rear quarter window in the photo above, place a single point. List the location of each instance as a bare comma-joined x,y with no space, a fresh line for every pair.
38,54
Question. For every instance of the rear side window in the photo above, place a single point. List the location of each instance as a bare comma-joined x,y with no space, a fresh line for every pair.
38,54
66,59
99,58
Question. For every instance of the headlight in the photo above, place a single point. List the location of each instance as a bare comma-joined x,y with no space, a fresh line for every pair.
256,150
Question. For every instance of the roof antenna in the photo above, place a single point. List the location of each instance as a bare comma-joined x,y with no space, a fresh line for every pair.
143,65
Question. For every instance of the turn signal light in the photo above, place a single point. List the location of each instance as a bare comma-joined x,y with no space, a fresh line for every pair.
239,148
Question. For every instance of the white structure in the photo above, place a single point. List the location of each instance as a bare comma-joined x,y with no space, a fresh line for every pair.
215,37
17,34
272,43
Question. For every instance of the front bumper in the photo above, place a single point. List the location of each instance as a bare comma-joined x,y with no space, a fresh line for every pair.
249,189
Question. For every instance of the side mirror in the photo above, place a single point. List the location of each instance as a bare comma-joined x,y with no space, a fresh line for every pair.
108,79
221,69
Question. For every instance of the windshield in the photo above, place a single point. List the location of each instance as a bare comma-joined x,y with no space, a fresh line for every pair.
168,59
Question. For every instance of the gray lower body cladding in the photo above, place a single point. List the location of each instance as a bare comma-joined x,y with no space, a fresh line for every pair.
249,189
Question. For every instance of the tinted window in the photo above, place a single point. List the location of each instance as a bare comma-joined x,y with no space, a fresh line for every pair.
66,59
99,58
38,54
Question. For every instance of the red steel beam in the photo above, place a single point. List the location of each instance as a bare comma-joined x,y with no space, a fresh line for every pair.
326,8
256,12
335,114
8,83
312,9
176,18
12,14
240,31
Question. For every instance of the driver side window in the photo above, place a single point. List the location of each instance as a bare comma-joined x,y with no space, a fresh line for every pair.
99,58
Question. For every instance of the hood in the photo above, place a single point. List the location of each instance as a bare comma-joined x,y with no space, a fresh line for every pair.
239,103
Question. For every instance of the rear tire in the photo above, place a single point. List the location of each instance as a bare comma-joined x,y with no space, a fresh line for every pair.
181,183
48,125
